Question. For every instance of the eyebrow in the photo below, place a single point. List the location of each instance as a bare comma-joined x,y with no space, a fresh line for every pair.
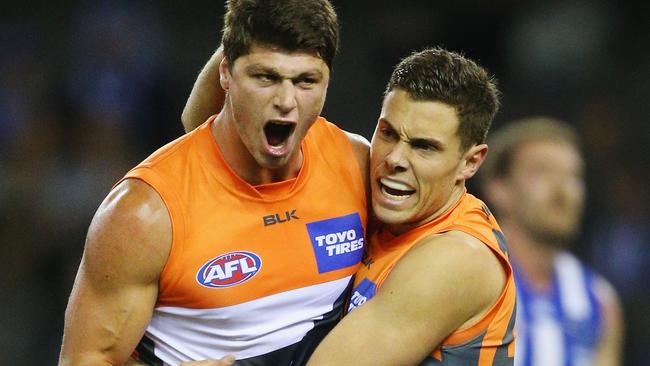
315,73
417,140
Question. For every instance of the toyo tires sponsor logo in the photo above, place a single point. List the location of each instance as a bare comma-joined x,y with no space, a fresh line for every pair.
229,269
337,242
364,291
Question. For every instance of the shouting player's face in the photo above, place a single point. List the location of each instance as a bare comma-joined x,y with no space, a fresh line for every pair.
417,168
273,97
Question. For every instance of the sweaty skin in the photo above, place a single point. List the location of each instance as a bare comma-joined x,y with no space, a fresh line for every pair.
425,158
130,236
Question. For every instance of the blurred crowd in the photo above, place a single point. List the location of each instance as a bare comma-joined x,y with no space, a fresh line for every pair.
88,89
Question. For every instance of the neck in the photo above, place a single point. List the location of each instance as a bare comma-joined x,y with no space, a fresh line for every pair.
240,159
534,257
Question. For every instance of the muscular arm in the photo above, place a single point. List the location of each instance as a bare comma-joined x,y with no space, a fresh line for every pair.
447,282
610,346
117,283
207,96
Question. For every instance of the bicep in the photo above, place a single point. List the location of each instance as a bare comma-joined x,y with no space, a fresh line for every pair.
390,329
117,282
419,305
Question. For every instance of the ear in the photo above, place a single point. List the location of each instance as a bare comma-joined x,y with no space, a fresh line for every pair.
472,160
224,74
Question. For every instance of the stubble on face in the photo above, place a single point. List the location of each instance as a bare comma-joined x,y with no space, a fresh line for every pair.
274,96
415,160
548,188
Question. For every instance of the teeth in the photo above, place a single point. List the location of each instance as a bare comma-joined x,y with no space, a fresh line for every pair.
281,123
395,185
394,197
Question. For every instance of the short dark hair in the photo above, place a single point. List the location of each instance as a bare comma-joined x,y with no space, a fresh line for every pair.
506,140
294,25
436,74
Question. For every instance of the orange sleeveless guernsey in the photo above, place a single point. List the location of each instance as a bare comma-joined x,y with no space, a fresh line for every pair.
259,272
490,340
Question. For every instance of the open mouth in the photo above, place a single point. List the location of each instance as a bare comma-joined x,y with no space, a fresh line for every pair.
395,190
278,132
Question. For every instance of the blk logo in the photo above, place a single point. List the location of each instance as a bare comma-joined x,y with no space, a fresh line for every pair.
279,219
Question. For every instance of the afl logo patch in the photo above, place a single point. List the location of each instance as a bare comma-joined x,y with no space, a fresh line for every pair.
229,269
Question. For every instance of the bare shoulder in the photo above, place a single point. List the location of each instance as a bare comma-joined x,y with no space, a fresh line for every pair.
461,267
361,148
435,288
455,251
357,139
360,144
117,283
130,234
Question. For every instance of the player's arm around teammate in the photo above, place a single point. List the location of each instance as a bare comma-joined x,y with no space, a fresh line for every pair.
412,313
117,284
207,97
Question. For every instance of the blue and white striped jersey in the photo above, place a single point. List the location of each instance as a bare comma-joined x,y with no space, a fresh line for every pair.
561,326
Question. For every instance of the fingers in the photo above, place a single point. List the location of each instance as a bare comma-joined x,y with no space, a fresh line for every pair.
225,361
133,362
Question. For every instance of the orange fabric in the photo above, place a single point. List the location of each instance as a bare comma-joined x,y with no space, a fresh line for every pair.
469,215
213,212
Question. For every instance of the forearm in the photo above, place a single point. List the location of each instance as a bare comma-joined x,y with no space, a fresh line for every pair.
104,330
116,287
609,351
207,96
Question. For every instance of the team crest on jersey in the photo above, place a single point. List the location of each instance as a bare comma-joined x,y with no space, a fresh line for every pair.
337,242
229,269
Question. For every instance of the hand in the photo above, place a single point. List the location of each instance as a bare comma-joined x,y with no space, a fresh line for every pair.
224,361
133,362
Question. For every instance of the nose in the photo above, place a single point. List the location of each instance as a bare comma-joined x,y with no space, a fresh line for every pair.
285,99
397,159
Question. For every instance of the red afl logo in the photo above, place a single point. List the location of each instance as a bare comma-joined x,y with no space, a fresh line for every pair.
229,269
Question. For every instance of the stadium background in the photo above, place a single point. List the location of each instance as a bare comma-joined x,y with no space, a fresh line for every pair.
90,88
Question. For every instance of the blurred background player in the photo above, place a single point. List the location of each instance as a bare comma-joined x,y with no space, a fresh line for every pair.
534,180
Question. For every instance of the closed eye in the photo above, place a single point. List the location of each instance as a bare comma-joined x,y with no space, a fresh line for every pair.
423,146
266,77
388,133
307,81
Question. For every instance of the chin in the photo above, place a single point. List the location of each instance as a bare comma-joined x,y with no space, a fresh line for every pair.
272,162
556,237
390,217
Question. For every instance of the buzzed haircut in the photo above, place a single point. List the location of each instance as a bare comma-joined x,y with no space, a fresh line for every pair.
293,25
506,140
436,74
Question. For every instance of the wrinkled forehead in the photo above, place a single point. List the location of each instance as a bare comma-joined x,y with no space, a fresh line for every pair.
263,49
419,118
271,57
